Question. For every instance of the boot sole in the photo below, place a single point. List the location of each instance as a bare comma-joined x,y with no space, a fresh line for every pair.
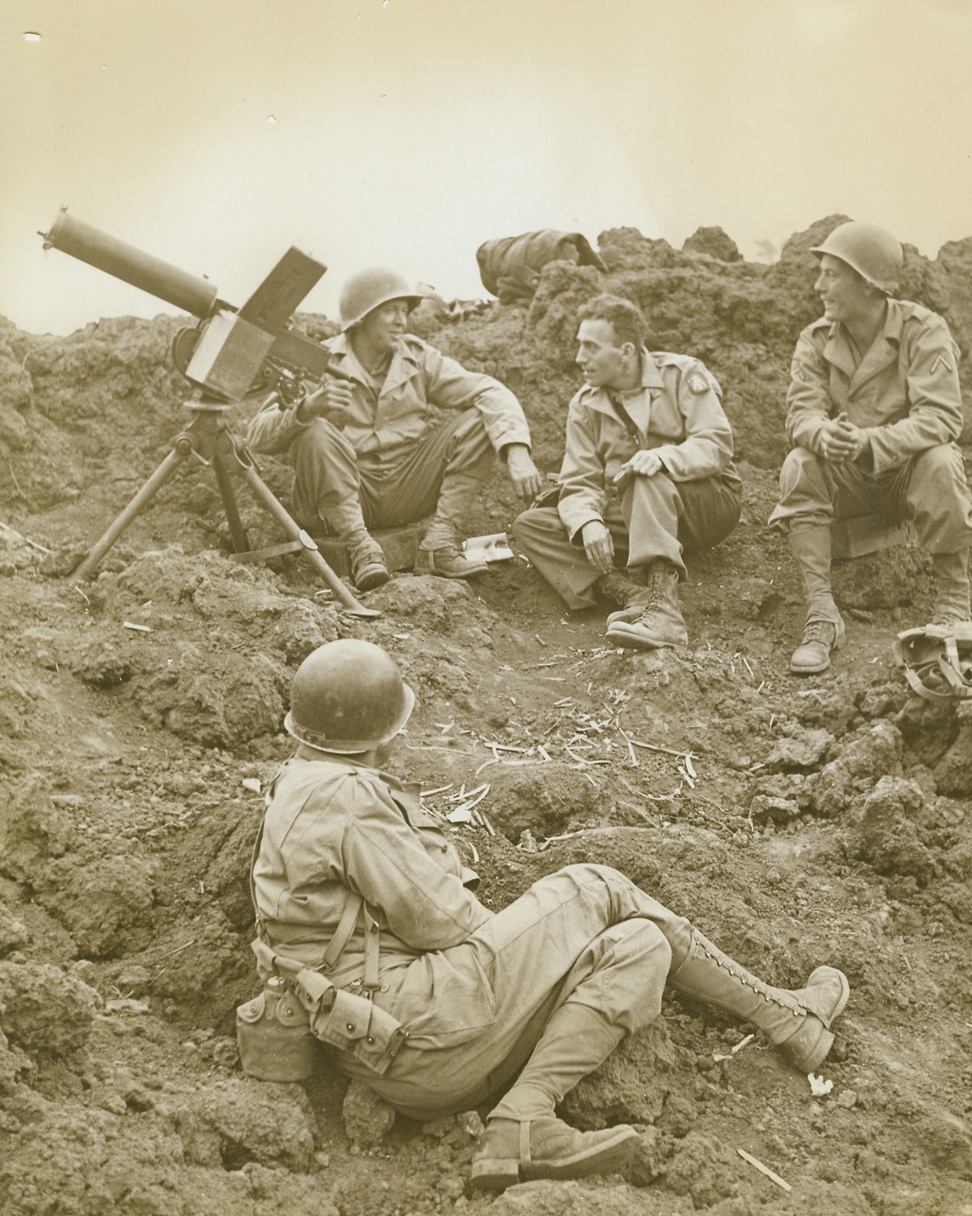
370,579
622,634
477,570
497,1173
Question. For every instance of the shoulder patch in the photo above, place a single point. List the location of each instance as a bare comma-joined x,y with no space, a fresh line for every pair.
698,383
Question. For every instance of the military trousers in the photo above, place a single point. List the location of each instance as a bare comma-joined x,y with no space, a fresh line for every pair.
930,490
585,934
438,474
654,517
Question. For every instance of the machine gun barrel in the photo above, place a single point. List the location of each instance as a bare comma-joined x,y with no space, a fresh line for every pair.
89,244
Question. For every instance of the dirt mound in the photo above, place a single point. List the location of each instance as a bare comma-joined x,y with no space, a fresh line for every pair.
795,822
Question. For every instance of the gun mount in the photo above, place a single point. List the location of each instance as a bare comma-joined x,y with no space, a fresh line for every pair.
228,355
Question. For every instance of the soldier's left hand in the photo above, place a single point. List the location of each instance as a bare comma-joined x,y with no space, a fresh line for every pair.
644,462
523,472
843,440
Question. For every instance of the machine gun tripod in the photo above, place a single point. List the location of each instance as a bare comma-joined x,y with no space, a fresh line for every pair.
231,354
209,440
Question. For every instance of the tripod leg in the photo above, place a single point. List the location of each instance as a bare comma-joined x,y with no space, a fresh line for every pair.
295,532
237,531
121,522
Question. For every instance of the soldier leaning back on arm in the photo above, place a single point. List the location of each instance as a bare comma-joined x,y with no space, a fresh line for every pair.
512,1007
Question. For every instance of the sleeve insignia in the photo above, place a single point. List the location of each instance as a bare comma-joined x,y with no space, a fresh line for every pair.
698,383
941,361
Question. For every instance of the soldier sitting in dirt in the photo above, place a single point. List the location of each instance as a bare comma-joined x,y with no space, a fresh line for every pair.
367,451
875,408
353,878
647,473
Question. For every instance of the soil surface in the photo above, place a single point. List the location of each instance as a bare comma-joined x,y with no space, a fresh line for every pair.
795,821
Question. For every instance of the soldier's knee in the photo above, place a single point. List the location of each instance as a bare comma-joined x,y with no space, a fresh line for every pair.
944,461
320,438
798,465
535,521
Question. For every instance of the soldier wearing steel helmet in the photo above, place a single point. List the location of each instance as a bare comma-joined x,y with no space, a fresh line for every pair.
354,878
367,450
875,410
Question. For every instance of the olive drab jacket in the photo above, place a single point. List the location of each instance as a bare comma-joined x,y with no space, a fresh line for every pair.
395,413
905,391
335,831
677,412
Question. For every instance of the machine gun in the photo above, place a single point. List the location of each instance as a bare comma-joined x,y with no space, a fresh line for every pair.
228,355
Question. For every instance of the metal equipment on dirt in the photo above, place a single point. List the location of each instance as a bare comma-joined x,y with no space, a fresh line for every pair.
937,660
230,354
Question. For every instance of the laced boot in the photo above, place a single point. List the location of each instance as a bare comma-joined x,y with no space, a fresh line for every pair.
824,629
368,569
820,640
450,562
951,588
523,1138
656,622
630,596
797,1021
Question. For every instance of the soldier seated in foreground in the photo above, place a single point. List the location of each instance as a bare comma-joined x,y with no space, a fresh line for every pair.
875,408
647,473
354,879
368,450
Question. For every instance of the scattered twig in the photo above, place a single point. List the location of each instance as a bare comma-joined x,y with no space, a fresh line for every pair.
177,950
631,751
13,478
637,809
656,747
19,535
764,1169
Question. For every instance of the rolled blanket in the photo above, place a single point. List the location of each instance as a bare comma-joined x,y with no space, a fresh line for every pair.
510,266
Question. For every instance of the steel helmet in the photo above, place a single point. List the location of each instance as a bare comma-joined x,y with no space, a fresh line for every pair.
370,288
347,697
873,252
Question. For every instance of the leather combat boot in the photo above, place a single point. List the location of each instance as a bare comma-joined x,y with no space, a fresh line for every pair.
450,562
797,1021
512,1152
820,639
824,630
951,588
655,622
368,569
523,1138
622,590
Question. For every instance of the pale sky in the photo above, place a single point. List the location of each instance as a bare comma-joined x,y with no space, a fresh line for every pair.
214,134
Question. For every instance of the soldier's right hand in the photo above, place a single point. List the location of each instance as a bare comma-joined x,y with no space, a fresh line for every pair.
331,401
598,546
